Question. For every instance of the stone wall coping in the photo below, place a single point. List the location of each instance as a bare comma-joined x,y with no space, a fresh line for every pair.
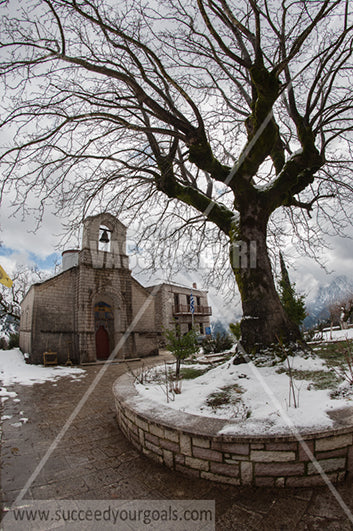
205,427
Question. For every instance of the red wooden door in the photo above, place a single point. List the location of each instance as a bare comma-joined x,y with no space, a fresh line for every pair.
102,344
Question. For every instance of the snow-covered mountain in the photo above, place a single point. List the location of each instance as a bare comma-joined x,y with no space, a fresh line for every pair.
318,308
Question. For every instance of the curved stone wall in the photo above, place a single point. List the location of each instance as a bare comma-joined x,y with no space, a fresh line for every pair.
192,444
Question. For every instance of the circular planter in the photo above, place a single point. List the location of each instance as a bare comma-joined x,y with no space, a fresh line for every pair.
193,444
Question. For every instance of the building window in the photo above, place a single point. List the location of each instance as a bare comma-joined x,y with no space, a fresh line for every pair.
176,299
198,301
201,328
189,327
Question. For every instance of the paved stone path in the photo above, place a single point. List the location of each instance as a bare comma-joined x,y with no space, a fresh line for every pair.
95,461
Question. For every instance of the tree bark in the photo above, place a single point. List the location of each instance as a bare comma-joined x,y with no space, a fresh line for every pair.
264,321
177,368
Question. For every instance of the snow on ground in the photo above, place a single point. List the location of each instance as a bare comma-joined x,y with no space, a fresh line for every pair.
337,335
264,406
14,370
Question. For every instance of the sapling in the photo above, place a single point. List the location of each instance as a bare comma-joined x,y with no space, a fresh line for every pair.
141,374
181,346
292,386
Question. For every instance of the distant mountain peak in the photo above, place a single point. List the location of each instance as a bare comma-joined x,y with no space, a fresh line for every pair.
318,309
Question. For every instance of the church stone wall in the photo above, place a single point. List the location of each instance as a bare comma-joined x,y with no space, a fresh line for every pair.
53,323
144,333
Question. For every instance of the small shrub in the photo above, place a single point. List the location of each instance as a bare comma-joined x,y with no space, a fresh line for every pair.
208,345
218,343
14,340
3,344
309,335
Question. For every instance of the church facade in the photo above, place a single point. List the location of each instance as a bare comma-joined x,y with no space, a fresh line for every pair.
94,308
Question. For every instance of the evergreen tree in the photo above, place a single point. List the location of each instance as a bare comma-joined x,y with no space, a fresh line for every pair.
181,346
293,304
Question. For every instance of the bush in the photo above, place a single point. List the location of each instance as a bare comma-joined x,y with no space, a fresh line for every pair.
14,340
310,334
218,343
3,344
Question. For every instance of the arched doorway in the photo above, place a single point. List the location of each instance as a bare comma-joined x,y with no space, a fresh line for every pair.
104,329
102,344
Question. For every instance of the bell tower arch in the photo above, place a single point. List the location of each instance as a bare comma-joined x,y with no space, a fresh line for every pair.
104,242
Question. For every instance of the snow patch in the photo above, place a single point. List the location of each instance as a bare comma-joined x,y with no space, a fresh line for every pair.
338,335
261,402
5,394
14,370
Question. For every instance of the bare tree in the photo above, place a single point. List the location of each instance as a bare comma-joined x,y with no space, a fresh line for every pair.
11,298
227,120
341,311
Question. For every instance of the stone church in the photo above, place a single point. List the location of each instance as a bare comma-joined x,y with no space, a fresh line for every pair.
94,307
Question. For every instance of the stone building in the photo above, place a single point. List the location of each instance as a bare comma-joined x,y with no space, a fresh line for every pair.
95,306
173,309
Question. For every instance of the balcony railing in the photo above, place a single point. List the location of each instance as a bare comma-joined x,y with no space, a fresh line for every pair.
184,309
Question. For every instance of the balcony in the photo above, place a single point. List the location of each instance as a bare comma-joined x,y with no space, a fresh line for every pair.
184,309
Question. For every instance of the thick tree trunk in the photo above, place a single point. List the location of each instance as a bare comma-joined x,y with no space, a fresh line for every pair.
264,320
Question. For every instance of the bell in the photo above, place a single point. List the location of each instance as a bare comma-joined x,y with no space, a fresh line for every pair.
104,238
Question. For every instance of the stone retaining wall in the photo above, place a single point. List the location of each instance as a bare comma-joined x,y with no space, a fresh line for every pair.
191,444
